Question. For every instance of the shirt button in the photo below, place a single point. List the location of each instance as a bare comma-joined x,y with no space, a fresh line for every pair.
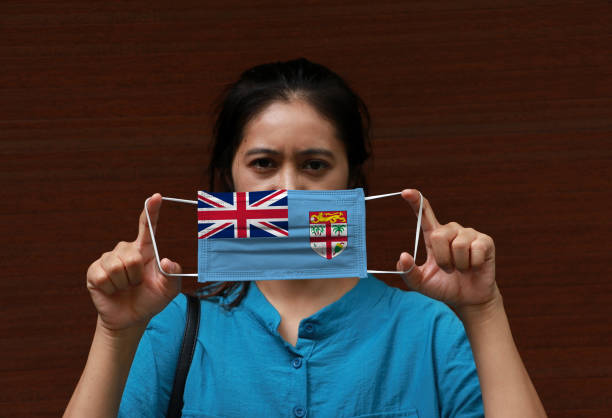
296,362
299,412
309,328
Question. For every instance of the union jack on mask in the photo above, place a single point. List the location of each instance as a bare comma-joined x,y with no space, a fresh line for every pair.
243,215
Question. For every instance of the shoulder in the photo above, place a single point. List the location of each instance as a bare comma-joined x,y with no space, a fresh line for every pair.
442,342
171,316
419,318
174,310
414,311
152,372
165,330
412,303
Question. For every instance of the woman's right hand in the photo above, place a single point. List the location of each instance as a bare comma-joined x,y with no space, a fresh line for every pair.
125,284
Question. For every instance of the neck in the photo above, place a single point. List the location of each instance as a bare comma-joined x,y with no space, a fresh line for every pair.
302,298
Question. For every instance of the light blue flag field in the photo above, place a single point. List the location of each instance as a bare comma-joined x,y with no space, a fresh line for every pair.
281,234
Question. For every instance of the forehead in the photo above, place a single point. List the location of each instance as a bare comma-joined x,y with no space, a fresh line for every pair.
290,126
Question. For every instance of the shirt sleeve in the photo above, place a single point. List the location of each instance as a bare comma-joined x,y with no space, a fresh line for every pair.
148,387
457,379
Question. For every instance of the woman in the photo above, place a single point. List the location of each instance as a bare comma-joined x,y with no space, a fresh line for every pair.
333,347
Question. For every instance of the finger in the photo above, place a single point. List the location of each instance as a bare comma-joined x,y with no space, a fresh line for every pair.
97,279
154,206
441,240
460,248
115,270
482,250
428,221
414,277
132,260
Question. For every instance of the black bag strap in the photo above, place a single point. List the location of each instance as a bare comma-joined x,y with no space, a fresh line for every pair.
192,324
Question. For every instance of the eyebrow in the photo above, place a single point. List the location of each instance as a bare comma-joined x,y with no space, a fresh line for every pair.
261,151
309,151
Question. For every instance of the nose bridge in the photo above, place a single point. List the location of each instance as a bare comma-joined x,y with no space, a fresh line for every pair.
288,177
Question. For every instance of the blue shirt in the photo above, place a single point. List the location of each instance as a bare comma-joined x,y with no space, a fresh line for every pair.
376,352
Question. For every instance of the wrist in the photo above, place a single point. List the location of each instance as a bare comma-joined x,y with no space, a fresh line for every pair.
119,339
482,313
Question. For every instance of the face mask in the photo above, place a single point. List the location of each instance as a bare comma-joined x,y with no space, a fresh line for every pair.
281,234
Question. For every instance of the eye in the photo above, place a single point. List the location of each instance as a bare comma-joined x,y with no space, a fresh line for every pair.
262,163
315,165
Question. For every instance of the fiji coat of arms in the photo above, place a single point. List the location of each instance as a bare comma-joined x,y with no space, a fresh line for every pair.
328,233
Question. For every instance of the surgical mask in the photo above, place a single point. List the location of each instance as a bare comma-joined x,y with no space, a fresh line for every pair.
281,234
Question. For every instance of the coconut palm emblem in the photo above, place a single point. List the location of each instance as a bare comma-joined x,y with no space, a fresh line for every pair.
328,233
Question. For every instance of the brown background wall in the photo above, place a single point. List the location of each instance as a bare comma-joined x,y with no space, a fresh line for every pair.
499,111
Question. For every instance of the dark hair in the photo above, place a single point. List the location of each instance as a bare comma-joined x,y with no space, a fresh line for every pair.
265,84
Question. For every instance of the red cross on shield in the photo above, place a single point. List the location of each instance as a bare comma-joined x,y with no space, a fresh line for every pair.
328,232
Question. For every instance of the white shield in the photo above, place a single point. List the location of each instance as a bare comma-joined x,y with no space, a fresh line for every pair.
328,233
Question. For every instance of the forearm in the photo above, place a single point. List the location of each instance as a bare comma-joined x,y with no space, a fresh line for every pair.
99,390
507,390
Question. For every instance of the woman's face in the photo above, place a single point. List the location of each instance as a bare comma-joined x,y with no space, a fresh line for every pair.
289,145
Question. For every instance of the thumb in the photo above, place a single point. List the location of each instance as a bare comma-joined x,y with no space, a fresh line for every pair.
413,277
173,284
170,266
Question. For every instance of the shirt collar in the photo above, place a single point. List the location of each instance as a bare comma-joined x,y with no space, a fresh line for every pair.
327,321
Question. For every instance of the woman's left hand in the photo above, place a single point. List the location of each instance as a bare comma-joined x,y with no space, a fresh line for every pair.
460,270
460,265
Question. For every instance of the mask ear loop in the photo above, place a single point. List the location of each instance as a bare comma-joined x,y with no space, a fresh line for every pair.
416,239
194,202
165,273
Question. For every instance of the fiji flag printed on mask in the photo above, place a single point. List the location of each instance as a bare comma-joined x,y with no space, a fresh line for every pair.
281,234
